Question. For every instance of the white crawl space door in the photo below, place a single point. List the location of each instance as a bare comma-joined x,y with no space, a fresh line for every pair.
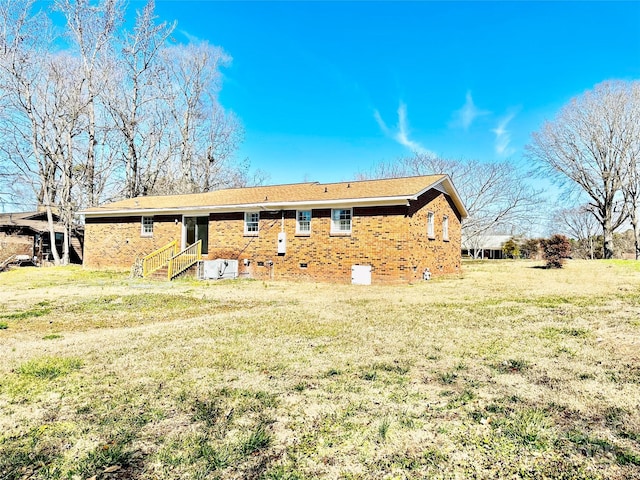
361,274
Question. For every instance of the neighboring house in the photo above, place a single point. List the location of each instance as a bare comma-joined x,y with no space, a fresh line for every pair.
26,234
381,231
485,246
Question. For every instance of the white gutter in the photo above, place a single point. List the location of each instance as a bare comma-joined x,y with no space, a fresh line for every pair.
371,201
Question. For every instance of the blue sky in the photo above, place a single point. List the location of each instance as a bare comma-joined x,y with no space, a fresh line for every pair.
328,89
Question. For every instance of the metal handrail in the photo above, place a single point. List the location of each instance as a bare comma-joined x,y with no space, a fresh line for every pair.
180,262
158,259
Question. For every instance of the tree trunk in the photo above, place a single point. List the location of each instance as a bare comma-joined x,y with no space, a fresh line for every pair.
607,247
635,223
52,233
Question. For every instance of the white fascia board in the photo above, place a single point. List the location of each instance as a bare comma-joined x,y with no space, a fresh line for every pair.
445,185
302,205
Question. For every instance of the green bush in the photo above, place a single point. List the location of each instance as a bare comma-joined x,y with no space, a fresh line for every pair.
511,249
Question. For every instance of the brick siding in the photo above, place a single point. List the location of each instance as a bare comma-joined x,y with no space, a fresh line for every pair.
116,242
392,240
15,245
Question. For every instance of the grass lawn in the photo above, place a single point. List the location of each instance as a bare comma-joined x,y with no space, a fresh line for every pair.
505,371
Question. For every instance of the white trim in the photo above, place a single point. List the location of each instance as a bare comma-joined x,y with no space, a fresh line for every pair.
184,229
257,231
336,231
444,182
144,233
446,186
303,232
301,205
431,225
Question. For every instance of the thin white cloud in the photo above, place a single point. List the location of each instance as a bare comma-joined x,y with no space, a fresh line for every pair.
503,136
467,114
401,133
381,124
190,38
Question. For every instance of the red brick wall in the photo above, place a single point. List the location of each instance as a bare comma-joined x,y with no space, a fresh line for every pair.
115,242
15,245
392,240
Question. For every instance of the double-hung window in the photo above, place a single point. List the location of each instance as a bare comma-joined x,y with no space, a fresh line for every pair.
147,227
431,231
445,228
303,222
341,220
251,223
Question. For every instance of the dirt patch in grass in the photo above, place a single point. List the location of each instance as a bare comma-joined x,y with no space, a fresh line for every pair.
505,371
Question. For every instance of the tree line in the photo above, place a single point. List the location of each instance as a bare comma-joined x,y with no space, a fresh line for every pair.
591,149
91,111
496,197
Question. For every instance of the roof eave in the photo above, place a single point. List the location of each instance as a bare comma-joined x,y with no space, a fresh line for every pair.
264,206
451,190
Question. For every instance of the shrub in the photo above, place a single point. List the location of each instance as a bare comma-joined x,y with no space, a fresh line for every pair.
511,249
530,248
555,250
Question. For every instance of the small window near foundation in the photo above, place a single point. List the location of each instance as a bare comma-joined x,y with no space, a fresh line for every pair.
261,264
303,265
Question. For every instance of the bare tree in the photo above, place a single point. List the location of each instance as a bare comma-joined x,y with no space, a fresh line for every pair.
24,73
630,151
495,195
580,223
193,81
133,99
92,28
99,113
587,145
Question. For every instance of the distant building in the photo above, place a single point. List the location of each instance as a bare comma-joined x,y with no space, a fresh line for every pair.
485,246
26,234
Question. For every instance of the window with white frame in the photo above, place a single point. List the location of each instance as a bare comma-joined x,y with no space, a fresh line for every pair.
431,231
303,221
147,227
445,228
251,223
341,220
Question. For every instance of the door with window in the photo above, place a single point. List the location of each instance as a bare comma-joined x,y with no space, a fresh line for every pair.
196,228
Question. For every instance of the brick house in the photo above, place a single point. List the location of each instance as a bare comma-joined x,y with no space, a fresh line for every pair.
390,230
26,234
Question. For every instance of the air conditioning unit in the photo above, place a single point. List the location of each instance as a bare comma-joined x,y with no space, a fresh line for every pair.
218,269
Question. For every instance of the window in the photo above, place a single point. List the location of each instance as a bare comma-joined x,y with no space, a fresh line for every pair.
445,228
303,221
147,227
431,232
341,220
251,222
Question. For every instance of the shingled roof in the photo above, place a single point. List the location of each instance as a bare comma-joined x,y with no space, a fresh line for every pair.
392,191
34,221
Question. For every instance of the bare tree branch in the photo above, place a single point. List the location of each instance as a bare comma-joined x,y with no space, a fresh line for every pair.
588,144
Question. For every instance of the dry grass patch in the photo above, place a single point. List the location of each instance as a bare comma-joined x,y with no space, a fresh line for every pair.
504,371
